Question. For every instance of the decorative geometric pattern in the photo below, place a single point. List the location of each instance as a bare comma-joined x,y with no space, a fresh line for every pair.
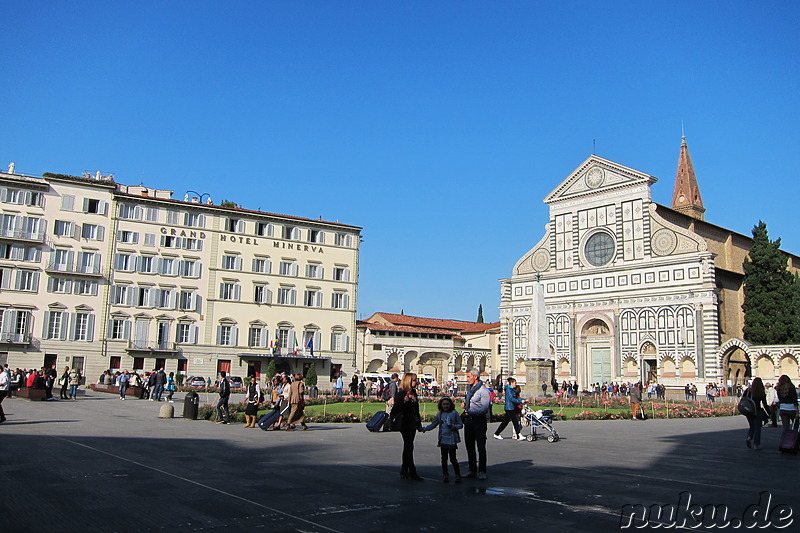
595,177
541,260
664,242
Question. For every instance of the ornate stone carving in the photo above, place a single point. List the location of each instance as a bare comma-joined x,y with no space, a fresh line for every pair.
664,242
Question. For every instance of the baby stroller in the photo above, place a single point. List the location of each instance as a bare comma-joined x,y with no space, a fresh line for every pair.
540,419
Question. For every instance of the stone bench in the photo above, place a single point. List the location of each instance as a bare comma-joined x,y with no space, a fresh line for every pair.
133,392
31,394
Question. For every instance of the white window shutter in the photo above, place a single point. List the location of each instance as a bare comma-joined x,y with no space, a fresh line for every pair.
67,202
102,207
126,330
100,232
119,235
201,221
346,301
317,340
36,281
85,205
90,328
219,334
237,292
333,340
136,237
238,263
292,340
268,295
46,325
72,326
234,336
193,334
294,269
345,342
346,275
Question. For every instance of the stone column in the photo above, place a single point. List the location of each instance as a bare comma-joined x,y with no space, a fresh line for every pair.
536,371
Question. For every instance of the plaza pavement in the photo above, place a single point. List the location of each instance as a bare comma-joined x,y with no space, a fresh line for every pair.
100,464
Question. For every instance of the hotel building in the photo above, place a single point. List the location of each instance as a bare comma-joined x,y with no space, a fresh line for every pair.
98,275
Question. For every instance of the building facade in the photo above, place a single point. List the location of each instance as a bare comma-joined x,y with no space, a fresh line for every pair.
100,275
444,349
633,290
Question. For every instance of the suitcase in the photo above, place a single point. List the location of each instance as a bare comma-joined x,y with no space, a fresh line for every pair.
377,421
789,439
266,421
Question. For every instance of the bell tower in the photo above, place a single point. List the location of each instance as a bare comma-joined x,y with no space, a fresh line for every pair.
686,197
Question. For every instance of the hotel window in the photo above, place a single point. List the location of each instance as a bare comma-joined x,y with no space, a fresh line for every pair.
92,232
291,233
288,268
97,207
341,273
229,290
64,228
83,327
234,225
312,298
59,285
186,333
88,263
68,202
146,264
339,341
287,296
262,265
190,268
119,329
130,212
149,239
169,241
195,220
264,229
340,300
261,294
151,214
84,287
188,300
344,239
167,266
314,271
27,280
227,335
172,217
142,297
125,262
317,236
258,337
127,237
120,294
194,245
164,298
231,262
55,327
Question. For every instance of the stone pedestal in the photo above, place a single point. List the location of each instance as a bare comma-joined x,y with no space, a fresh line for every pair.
166,411
536,371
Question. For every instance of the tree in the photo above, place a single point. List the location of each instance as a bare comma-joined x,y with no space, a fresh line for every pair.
228,203
480,314
272,369
311,375
770,293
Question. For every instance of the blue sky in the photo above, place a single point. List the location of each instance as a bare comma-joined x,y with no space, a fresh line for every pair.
438,127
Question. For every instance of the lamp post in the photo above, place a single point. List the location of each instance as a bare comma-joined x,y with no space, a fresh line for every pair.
198,195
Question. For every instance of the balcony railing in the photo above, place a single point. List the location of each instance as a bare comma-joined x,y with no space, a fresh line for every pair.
15,338
22,235
87,270
151,346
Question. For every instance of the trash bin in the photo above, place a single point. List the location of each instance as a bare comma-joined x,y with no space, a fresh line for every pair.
191,404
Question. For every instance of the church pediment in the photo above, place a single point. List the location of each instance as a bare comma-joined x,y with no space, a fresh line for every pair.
597,174
537,259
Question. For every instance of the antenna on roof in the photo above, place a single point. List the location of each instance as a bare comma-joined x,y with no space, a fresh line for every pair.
594,146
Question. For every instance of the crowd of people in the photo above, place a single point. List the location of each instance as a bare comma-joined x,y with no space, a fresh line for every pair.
44,379
769,403
152,385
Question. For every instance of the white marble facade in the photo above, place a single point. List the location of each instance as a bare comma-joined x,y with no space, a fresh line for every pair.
628,294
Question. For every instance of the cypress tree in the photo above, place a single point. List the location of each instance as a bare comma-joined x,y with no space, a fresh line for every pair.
311,376
272,369
770,292
480,314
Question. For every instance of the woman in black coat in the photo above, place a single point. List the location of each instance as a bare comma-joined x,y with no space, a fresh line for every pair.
406,419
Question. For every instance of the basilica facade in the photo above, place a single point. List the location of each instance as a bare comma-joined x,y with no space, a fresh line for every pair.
633,290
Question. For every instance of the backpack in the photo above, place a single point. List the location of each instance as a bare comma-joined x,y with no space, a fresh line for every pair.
746,405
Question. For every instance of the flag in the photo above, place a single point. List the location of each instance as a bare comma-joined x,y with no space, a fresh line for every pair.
294,345
310,345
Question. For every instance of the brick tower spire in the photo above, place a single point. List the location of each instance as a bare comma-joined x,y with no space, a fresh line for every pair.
686,195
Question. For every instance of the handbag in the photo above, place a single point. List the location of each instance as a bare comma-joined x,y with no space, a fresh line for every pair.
746,405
